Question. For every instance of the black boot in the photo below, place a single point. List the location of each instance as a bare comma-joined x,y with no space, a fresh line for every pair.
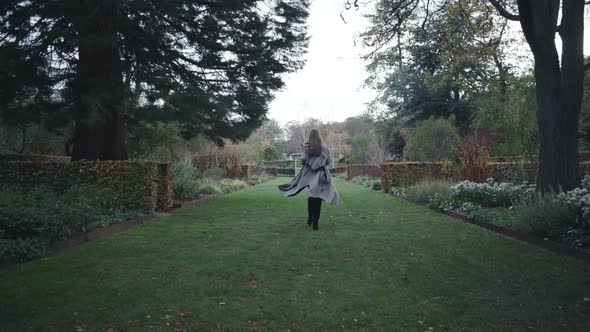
310,209
316,214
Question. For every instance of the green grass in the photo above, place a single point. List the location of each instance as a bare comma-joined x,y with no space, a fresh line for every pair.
247,260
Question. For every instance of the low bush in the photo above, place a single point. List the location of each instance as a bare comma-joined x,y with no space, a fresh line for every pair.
424,190
31,221
214,173
545,216
185,182
222,186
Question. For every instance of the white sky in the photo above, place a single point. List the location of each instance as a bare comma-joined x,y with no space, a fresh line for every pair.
329,87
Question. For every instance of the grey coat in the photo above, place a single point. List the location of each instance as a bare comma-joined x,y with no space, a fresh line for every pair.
314,174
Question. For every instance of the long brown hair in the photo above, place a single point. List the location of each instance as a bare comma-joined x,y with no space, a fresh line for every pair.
314,144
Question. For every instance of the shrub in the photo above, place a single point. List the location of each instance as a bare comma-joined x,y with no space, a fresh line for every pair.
30,221
231,185
545,216
375,184
209,187
185,184
214,173
223,186
433,140
424,190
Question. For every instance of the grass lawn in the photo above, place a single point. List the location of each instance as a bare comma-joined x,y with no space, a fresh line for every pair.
247,260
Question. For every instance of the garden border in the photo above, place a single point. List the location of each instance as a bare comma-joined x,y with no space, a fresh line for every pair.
107,231
548,245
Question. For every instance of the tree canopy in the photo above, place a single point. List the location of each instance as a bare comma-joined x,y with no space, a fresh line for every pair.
211,66
559,79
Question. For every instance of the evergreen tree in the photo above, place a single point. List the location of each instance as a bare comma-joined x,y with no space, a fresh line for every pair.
211,66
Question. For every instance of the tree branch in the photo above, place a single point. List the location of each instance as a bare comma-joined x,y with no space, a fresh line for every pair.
503,11
587,66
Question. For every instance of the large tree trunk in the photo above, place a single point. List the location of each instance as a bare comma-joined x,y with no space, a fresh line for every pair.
559,88
100,124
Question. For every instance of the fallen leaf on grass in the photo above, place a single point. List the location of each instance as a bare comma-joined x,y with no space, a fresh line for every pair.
185,314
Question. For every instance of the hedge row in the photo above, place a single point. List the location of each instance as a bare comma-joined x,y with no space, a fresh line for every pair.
135,184
164,192
372,171
408,173
340,169
230,163
33,157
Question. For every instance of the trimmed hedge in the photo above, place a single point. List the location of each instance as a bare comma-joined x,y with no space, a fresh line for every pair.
135,184
229,163
33,157
164,190
372,171
408,173
402,174
245,173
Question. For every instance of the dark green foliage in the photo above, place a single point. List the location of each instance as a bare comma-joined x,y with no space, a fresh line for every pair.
424,190
214,173
30,221
135,184
220,186
260,179
270,153
360,146
185,184
188,185
545,216
33,157
435,139
210,66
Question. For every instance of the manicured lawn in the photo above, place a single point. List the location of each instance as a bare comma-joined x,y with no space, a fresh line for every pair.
248,261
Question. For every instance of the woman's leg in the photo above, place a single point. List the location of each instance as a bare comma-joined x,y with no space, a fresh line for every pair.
310,210
318,209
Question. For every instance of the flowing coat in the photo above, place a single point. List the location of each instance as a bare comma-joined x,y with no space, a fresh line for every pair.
315,175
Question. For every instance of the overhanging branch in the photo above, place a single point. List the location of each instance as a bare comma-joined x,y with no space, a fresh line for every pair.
503,11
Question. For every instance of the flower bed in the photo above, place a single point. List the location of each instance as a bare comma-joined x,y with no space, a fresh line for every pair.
564,217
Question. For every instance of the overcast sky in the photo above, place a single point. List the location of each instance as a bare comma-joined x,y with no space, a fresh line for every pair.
329,87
